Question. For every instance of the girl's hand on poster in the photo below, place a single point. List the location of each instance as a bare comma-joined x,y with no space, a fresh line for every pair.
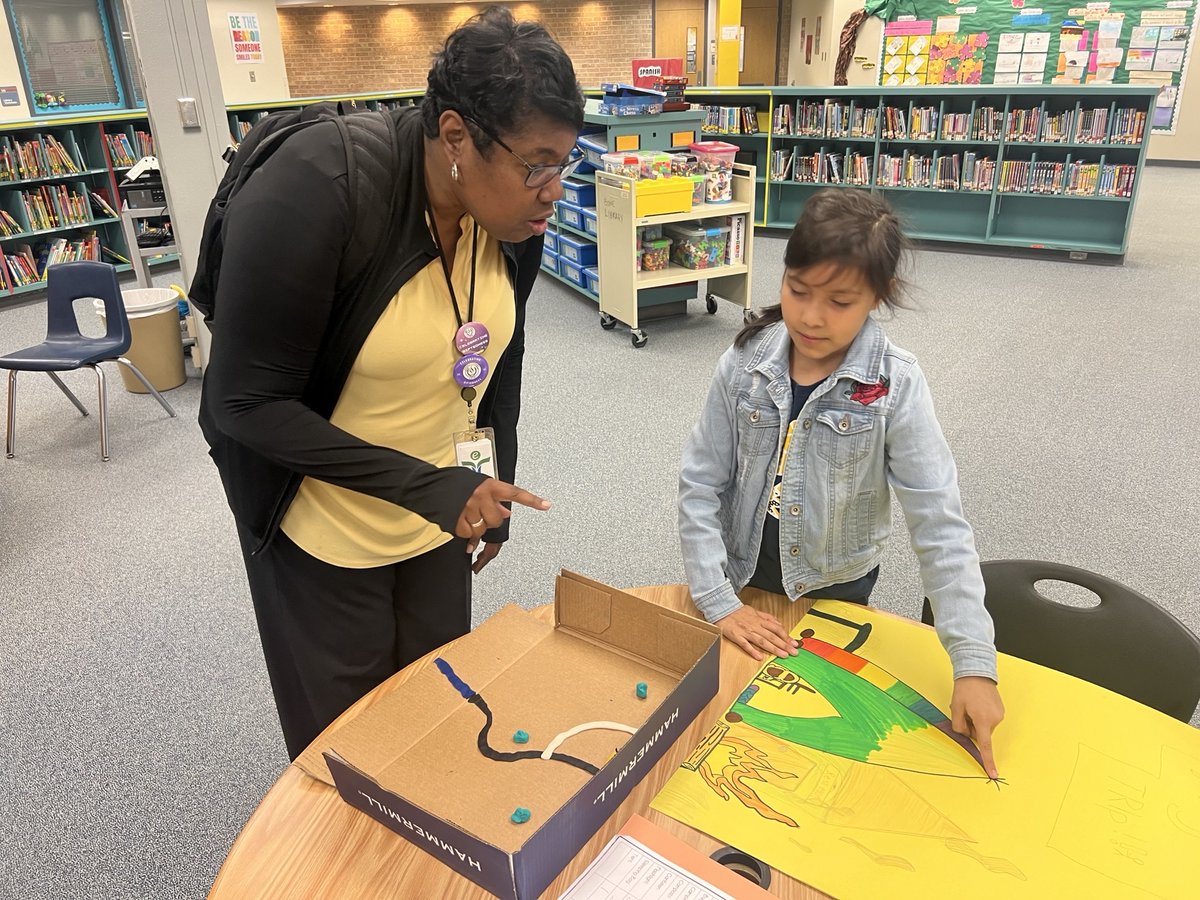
757,632
975,711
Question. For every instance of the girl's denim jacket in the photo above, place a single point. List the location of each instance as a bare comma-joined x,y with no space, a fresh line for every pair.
870,424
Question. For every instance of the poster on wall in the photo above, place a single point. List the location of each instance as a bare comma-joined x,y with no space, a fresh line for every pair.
246,36
1035,42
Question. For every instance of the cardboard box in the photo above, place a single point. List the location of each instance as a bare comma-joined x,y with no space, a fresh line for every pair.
413,760
649,73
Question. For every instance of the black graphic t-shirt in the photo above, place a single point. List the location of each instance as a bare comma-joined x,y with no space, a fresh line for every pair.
768,574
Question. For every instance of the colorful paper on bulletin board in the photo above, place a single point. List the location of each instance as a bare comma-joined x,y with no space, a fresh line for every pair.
1113,25
957,58
838,767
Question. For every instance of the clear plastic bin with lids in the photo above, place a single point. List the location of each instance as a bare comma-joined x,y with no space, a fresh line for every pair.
697,245
627,164
716,159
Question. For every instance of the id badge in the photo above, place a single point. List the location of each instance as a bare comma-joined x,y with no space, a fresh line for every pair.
475,449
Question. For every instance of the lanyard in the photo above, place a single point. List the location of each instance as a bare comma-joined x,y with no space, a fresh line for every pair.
471,337
437,242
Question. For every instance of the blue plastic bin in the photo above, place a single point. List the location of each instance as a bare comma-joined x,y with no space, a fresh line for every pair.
590,223
571,272
579,192
578,250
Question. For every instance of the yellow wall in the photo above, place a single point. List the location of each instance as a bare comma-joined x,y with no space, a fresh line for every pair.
270,80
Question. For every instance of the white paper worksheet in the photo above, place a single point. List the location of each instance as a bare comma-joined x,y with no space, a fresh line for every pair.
628,870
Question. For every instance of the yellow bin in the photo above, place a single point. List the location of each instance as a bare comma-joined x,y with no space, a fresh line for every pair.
157,347
664,195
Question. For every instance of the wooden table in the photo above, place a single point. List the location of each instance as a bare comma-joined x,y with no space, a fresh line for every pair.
305,841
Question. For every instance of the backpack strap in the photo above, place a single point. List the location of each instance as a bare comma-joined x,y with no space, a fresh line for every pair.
370,153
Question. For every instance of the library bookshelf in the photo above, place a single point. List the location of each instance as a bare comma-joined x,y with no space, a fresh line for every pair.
1033,168
58,185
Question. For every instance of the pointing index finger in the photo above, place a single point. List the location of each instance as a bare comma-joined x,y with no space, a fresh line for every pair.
525,498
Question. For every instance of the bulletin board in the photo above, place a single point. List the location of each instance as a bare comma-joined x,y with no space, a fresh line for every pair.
1042,42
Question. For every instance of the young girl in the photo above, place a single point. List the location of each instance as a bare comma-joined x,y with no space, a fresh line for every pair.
812,413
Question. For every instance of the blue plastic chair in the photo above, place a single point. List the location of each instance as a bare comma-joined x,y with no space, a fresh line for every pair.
1127,643
65,349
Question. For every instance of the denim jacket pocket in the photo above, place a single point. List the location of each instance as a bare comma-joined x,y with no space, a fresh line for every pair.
842,437
758,429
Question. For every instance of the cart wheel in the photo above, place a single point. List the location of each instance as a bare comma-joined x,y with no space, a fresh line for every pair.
710,303
607,322
638,337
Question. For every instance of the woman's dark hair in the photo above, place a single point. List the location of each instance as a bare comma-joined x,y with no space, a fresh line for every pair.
854,230
500,73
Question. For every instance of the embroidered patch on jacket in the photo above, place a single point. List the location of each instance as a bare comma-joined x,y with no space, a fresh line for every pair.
866,394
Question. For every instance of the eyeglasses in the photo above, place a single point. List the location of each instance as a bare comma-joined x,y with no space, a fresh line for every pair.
537,176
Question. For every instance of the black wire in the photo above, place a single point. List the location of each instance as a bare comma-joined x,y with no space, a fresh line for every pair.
501,756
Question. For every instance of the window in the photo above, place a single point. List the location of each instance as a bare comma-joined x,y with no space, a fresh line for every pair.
69,57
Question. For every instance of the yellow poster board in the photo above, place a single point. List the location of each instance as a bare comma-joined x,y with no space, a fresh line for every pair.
838,767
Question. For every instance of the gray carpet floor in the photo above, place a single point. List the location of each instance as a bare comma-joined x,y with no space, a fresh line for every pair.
137,729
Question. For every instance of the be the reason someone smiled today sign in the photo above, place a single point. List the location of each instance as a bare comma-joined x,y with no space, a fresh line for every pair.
247,39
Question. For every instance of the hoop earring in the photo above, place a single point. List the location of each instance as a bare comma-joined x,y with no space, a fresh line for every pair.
454,171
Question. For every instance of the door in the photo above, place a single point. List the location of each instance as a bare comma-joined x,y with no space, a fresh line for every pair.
672,19
760,55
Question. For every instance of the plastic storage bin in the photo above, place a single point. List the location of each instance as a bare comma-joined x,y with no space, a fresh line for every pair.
649,233
579,192
656,254
627,164
663,195
551,242
699,188
654,163
591,223
549,259
716,159
571,272
697,245
570,214
580,251
157,344
592,274
594,146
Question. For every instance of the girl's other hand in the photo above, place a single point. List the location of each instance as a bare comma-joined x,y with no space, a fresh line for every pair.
975,711
757,632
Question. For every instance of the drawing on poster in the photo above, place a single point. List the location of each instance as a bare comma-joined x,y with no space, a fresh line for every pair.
839,767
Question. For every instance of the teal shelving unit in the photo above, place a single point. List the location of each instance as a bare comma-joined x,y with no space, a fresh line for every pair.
1055,168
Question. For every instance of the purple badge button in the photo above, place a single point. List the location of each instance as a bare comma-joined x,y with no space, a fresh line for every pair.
472,337
471,370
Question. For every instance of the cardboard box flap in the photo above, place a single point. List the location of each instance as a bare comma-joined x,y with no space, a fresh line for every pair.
402,718
660,636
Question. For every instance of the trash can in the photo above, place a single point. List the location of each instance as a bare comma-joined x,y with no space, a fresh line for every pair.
157,348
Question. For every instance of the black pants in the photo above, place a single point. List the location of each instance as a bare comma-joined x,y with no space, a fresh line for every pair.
329,634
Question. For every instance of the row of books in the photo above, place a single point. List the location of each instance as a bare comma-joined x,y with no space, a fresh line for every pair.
822,167
42,157
825,118
730,120
1080,179
25,268
951,172
121,150
834,119
1129,127
54,206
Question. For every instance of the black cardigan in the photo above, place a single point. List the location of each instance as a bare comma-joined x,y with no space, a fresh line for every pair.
285,336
